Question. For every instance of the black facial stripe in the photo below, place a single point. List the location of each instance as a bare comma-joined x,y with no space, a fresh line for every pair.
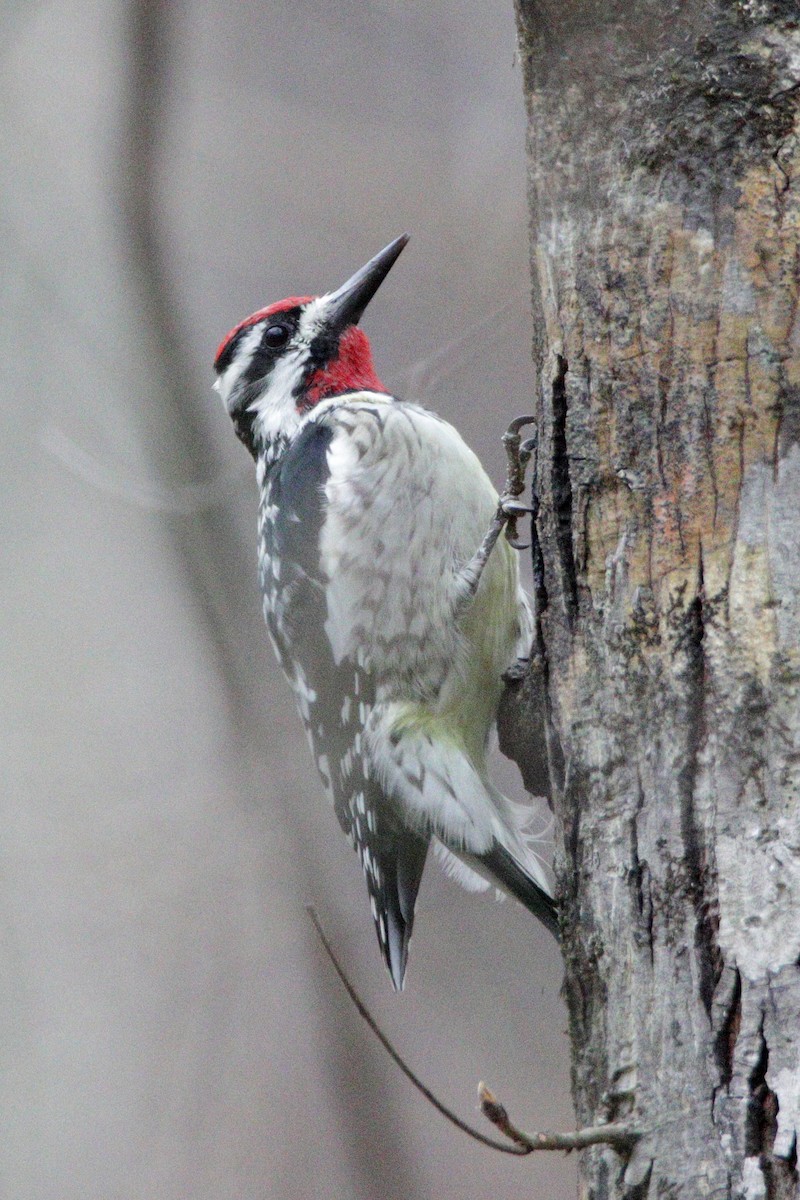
226,358
243,418
244,415
265,356
321,349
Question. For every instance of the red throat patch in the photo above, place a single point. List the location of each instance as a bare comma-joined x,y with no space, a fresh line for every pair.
351,371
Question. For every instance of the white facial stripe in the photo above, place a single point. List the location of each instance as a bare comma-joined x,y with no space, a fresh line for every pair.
275,408
313,319
285,375
240,362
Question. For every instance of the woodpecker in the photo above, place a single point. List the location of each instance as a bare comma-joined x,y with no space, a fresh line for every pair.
393,605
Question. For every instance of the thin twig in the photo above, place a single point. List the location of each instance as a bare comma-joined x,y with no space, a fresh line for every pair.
184,499
394,1054
621,1136
450,357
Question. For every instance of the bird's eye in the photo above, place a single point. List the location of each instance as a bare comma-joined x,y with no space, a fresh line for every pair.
276,335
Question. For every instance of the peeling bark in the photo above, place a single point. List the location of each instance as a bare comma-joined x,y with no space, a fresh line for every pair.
665,202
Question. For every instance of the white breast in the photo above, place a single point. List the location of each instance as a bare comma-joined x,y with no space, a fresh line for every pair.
407,505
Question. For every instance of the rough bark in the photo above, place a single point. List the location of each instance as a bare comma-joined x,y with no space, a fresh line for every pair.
665,212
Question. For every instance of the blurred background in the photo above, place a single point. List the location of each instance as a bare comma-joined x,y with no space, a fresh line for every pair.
171,1027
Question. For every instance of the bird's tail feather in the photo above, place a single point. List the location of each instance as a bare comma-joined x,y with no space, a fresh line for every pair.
513,878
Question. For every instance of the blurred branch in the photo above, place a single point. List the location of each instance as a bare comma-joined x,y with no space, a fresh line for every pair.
422,375
208,546
394,1054
149,45
218,566
183,499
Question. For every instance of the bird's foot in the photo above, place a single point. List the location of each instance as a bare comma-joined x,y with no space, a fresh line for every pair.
509,510
519,454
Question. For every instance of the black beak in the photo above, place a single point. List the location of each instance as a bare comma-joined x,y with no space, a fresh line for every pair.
346,305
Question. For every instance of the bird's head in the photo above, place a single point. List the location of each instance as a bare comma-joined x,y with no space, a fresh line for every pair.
277,364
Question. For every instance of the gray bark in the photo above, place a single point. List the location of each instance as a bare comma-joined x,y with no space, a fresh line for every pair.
665,212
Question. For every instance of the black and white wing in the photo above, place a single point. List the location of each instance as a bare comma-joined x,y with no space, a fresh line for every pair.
334,697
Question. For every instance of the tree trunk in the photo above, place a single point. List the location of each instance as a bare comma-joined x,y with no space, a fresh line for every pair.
665,210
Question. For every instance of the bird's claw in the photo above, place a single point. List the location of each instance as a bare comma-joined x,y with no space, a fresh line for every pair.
512,508
519,454
516,425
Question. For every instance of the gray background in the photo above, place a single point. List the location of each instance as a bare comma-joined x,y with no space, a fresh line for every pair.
170,1027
